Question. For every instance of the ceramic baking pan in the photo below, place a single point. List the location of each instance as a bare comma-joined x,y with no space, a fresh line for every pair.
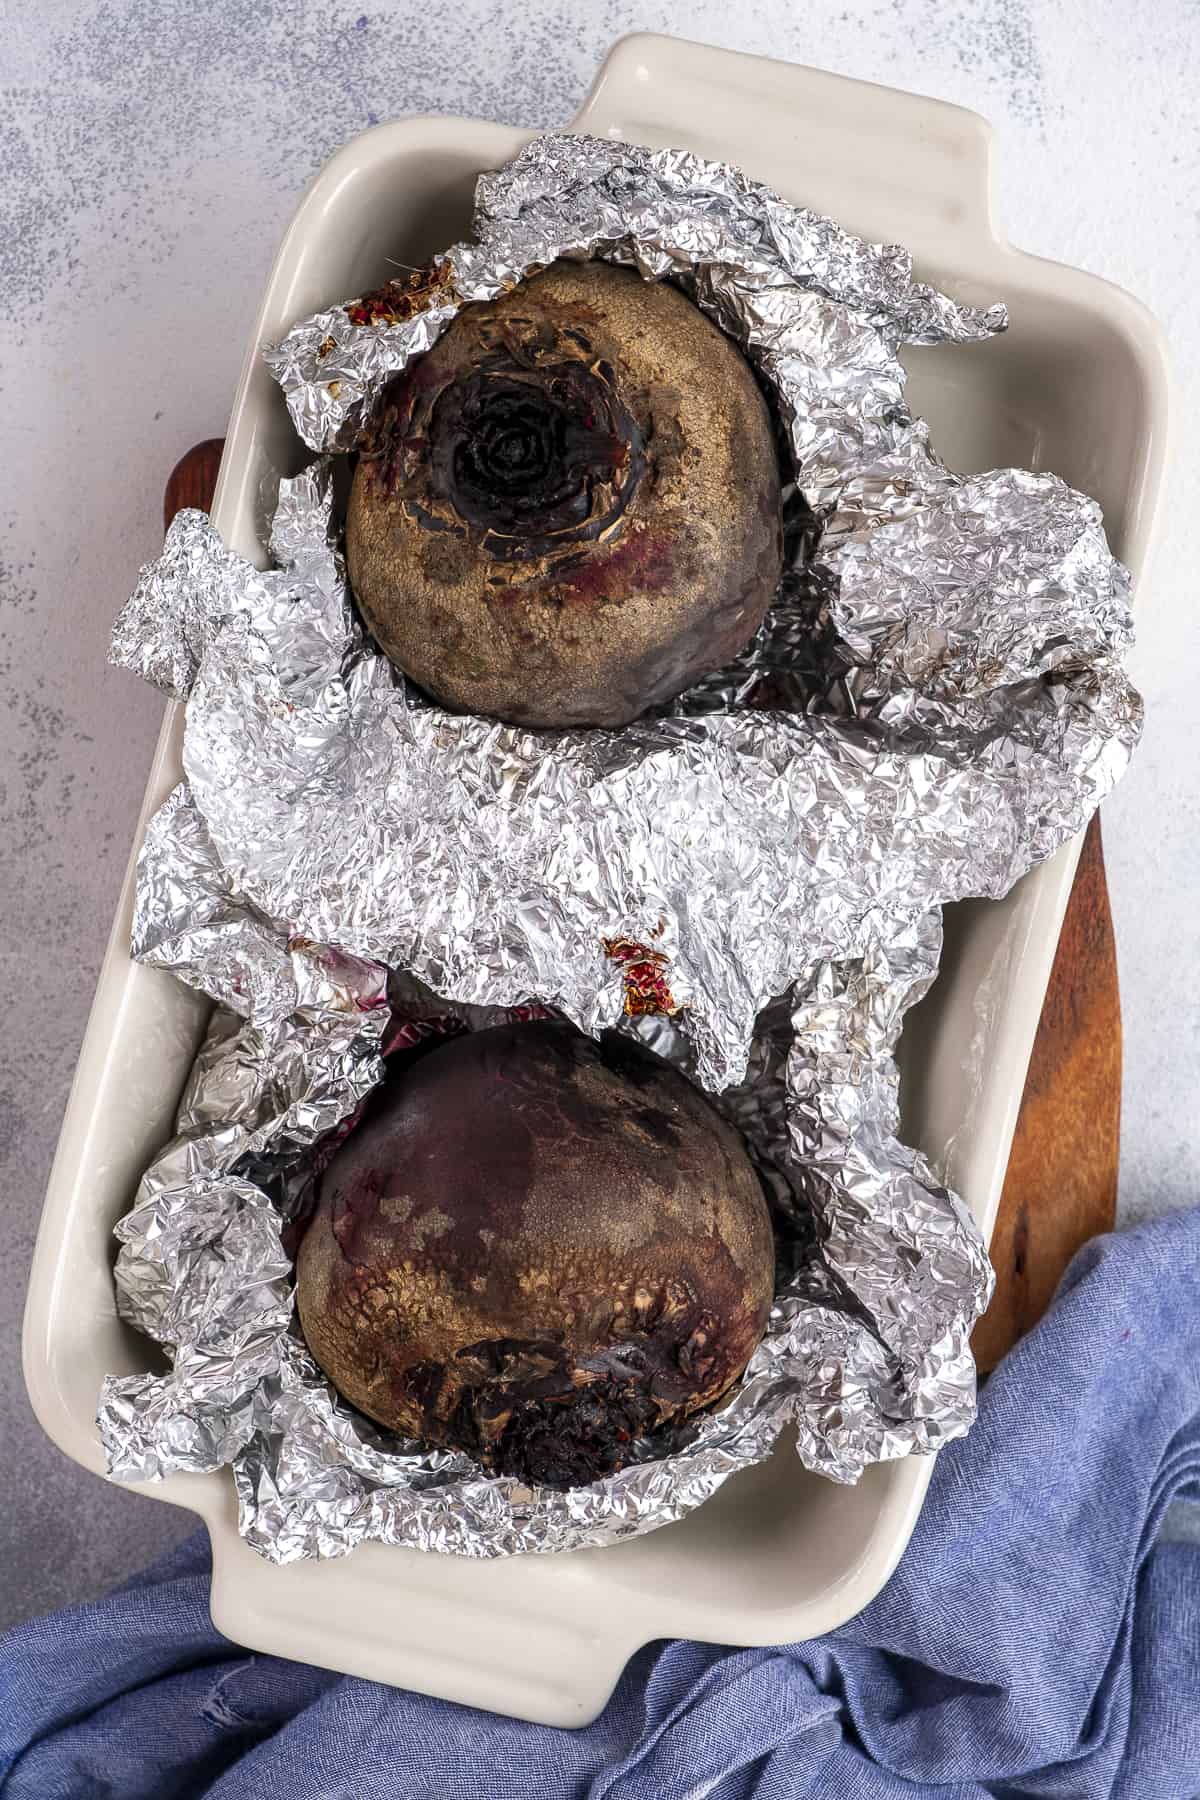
1078,386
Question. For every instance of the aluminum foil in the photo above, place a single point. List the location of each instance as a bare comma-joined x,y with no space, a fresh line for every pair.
935,703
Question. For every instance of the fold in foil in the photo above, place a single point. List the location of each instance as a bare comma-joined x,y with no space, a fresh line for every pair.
935,703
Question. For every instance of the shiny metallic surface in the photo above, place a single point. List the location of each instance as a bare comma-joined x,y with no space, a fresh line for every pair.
935,703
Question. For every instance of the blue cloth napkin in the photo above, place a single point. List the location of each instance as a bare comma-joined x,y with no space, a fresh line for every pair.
1035,1640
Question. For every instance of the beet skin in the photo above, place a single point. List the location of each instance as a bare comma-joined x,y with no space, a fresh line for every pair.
568,510
536,1248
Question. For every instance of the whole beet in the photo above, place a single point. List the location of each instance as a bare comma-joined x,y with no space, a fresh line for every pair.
568,510
535,1248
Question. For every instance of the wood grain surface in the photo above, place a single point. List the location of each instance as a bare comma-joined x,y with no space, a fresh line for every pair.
1061,1187
193,480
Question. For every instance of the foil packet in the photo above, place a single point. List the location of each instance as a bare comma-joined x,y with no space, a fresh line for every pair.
749,879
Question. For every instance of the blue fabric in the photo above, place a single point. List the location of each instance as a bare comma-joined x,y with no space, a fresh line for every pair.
1035,1640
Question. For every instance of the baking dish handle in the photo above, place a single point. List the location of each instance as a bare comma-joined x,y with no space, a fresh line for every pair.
896,167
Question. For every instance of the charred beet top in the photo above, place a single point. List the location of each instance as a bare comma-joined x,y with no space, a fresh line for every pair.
568,510
536,1248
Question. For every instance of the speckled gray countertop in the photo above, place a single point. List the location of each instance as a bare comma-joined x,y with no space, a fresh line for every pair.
151,154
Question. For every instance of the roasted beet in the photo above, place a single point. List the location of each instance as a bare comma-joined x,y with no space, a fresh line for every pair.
536,1248
568,510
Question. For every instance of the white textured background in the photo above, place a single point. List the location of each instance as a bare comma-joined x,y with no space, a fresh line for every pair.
150,156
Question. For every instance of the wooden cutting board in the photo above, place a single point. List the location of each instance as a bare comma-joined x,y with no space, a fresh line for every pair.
1061,1187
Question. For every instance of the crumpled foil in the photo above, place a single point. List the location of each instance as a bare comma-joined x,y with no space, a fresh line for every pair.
935,703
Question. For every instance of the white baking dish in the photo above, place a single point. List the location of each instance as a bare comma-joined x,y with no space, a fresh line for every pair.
1077,386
